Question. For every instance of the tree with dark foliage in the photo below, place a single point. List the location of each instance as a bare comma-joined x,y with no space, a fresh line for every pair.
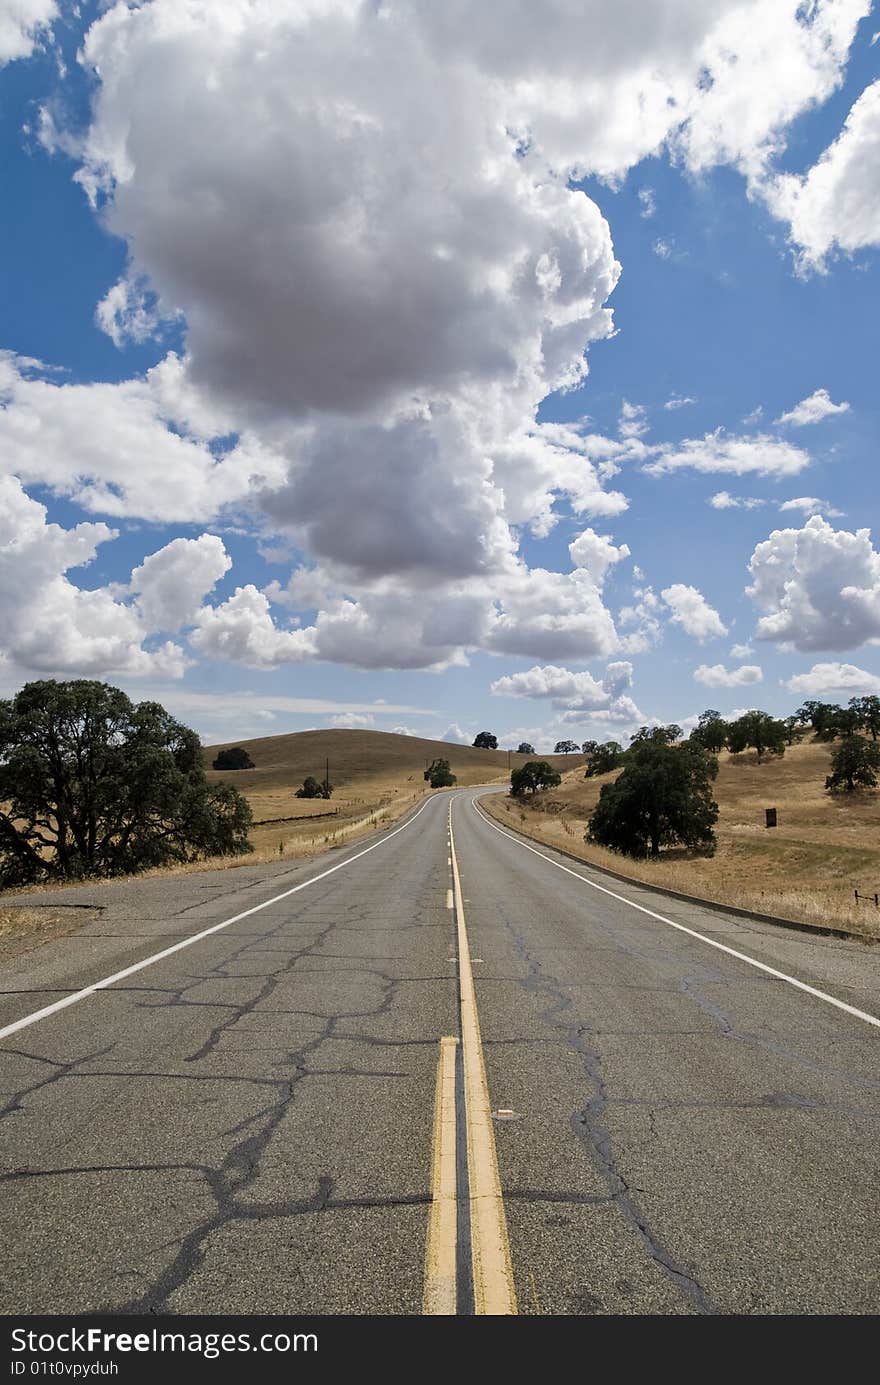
524,748
532,776
314,788
710,731
816,714
439,774
93,784
868,712
486,741
566,748
664,735
236,758
854,764
606,757
845,721
757,729
662,798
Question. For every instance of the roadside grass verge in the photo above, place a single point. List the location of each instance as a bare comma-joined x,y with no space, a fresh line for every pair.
806,869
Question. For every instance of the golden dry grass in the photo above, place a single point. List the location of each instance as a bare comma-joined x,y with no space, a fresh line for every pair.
21,930
807,868
376,776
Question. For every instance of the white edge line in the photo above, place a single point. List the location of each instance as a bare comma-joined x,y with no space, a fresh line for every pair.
196,937
722,947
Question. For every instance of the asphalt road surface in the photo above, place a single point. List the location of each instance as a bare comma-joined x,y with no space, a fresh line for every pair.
625,1118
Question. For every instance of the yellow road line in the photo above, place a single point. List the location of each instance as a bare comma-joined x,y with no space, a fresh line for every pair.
494,1292
440,1255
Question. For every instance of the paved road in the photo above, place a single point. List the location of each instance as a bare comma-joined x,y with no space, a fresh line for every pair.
248,1124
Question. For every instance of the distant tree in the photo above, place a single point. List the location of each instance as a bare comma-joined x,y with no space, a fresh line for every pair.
663,735
710,731
314,788
817,714
532,776
868,711
605,758
758,730
236,758
439,775
845,721
854,764
525,748
793,729
566,748
589,747
92,784
663,797
486,741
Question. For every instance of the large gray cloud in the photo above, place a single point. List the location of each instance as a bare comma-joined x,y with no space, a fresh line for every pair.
363,218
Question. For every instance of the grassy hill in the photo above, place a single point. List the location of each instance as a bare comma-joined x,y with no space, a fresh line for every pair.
373,773
823,849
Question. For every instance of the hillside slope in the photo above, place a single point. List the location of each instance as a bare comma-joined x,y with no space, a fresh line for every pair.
371,771
824,848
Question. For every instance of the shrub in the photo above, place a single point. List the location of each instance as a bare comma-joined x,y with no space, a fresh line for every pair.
439,775
236,758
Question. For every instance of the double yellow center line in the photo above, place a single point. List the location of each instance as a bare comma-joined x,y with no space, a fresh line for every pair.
488,1248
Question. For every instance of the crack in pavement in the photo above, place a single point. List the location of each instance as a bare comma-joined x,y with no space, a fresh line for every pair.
589,1123
230,1181
689,986
60,1071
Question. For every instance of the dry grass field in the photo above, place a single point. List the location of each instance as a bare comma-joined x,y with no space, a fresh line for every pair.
376,776
808,867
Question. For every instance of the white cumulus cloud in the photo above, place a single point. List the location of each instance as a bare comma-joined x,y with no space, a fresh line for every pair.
835,206
810,505
51,626
172,584
819,587
108,447
723,500
294,179
813,409
690,609
21,24
596,554
564,686
758,454
718,676
352,721
832,679
242,631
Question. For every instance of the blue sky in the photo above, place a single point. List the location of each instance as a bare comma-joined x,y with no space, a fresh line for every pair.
295,304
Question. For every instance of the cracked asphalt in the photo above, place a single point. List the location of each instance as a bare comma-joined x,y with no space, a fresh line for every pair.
246,1126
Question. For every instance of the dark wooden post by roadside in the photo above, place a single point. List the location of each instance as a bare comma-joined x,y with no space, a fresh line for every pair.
770,814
